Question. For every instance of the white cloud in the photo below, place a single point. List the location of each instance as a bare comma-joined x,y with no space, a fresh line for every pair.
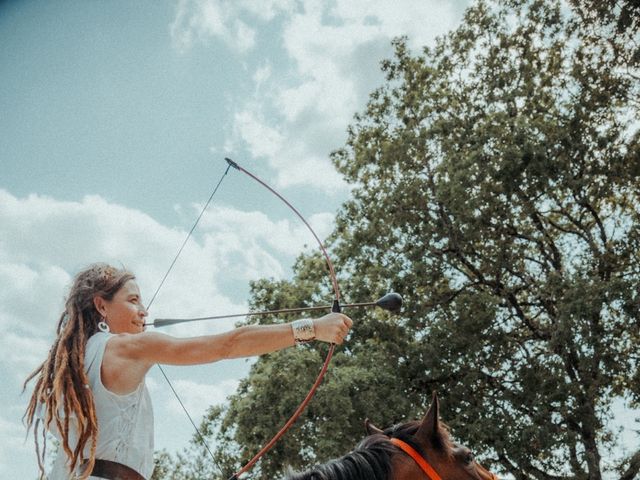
249,245
299,113
244,36
22,300
261,139
261,75
24,355
283,236
420,21
197,397
14,449
199,20
266,10
328,42
293,155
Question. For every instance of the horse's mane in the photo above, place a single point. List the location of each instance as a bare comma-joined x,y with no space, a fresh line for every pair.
371,459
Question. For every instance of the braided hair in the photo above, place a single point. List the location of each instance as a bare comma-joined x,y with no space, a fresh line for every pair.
62,387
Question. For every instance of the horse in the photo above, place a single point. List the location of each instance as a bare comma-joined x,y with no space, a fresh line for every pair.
416,450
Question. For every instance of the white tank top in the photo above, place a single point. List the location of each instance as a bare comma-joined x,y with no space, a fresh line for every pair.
125,422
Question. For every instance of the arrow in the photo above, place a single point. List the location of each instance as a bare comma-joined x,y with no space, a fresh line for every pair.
391,302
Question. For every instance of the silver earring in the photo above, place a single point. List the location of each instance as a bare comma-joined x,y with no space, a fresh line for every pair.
102,326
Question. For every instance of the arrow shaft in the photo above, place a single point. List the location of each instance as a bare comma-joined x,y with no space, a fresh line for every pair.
163,322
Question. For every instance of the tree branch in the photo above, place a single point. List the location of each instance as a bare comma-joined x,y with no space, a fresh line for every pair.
634,467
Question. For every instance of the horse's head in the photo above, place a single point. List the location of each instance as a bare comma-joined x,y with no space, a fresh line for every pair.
417,450
429,441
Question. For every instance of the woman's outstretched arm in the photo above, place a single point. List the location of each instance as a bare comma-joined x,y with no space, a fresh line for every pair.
128,357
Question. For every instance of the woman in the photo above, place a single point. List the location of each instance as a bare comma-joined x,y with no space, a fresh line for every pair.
90,391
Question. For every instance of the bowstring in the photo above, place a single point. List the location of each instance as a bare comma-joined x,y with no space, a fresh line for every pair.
175,259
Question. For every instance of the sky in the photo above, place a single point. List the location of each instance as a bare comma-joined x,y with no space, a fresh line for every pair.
115,121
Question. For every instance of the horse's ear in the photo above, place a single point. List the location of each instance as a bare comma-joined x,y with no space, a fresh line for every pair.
371,428
429,429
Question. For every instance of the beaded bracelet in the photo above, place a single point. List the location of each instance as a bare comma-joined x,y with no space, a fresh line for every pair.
303,331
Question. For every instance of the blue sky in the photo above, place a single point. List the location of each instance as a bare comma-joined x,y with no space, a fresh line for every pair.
98,100
115,119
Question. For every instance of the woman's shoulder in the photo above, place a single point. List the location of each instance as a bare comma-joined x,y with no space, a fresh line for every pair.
98,338
95,346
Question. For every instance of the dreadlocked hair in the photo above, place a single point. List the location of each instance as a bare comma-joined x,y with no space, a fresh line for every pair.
62,387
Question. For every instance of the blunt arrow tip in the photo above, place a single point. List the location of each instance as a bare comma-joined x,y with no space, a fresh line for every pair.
391,301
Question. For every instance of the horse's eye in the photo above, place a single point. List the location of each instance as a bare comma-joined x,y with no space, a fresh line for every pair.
468,458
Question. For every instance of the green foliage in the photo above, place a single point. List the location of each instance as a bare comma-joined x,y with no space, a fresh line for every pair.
498,178
496,187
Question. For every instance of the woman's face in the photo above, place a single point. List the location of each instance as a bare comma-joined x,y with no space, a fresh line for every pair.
125,313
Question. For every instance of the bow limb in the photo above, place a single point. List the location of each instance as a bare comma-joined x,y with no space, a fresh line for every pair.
335,308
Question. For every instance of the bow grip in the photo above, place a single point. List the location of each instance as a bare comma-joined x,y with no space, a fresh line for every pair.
336,306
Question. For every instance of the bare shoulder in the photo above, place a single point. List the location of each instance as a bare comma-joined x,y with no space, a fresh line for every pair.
128,357
141,347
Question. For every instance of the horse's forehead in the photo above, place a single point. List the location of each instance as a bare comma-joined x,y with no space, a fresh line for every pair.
457,447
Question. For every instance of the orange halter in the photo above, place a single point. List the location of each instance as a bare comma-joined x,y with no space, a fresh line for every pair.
419,459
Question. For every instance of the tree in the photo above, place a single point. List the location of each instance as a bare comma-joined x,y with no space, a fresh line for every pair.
498,176
496,186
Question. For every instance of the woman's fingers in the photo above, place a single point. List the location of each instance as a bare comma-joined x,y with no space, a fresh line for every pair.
333,327
343,331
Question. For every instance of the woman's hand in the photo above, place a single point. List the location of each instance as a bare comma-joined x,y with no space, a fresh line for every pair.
332,328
